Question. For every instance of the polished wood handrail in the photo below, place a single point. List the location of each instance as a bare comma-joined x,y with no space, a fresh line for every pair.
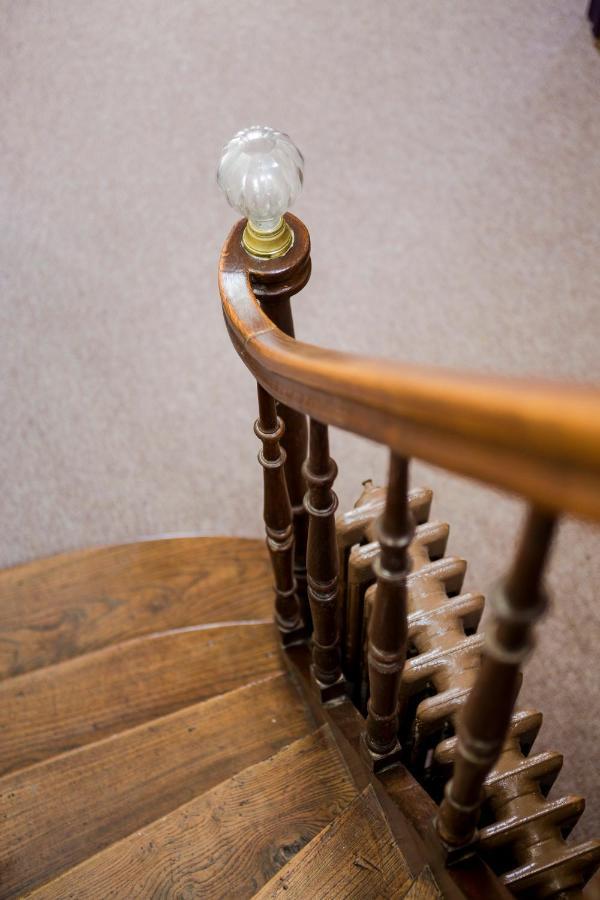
538,439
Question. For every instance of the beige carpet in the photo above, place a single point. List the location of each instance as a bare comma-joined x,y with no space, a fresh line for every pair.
452,192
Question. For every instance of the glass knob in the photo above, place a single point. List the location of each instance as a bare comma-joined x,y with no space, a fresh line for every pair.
261,173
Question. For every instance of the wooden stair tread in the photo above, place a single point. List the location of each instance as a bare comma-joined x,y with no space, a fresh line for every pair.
424,887
228,842
353,857
73,703
55,814
56,608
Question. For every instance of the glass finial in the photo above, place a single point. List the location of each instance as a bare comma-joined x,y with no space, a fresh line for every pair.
260,173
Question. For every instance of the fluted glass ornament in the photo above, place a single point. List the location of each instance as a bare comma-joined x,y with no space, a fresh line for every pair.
260,173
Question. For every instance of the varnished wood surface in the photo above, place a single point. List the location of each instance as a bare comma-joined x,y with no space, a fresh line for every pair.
274,296
58,813
88,698
228,842
424,888
354,858
408,809
56,608
277,514
484,720
388,625
541,440
322,565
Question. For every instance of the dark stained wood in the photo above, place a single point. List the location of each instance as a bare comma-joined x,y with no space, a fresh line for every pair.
408,809
592,889
58,813
277,514
295,444
347,726
388,627
322,563
539,439
424,888
528,825
354,857
274,282
471,876
63,606
228,842
485,718
355,527
84,699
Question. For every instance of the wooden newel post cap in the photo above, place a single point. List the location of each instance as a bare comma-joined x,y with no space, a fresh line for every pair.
260,173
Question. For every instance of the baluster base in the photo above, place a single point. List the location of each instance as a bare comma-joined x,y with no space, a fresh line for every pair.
293,636
379,762
329,692
453,854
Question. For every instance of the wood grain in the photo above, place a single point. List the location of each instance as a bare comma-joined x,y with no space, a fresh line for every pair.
388,625
354,857
412,830
57,608
58,813
274,282
483,722
322,566
424,887
277,515
228,842
539,439
88,698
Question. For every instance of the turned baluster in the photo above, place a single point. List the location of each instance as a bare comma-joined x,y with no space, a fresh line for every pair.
322,563
295,444
483,724
388,628
261,173
278,518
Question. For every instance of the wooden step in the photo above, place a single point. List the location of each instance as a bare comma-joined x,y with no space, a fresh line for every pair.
57,608
58,813
354,857
88,698
424,888
227,843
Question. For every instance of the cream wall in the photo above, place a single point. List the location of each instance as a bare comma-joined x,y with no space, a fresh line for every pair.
452,192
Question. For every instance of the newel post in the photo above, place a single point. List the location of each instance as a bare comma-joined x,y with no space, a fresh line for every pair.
516,604
274,285
260,173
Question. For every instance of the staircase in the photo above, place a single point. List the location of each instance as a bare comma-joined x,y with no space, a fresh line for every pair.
170,731
155,743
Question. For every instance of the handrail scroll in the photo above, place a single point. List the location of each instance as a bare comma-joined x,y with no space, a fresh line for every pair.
537,439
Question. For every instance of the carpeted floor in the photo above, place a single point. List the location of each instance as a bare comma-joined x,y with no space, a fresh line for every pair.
452,191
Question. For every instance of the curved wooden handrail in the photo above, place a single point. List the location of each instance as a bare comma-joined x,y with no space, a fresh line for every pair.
538,439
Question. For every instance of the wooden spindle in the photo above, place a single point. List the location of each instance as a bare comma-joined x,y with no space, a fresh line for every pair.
295,444
278,518
322,563
388,627
484,721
